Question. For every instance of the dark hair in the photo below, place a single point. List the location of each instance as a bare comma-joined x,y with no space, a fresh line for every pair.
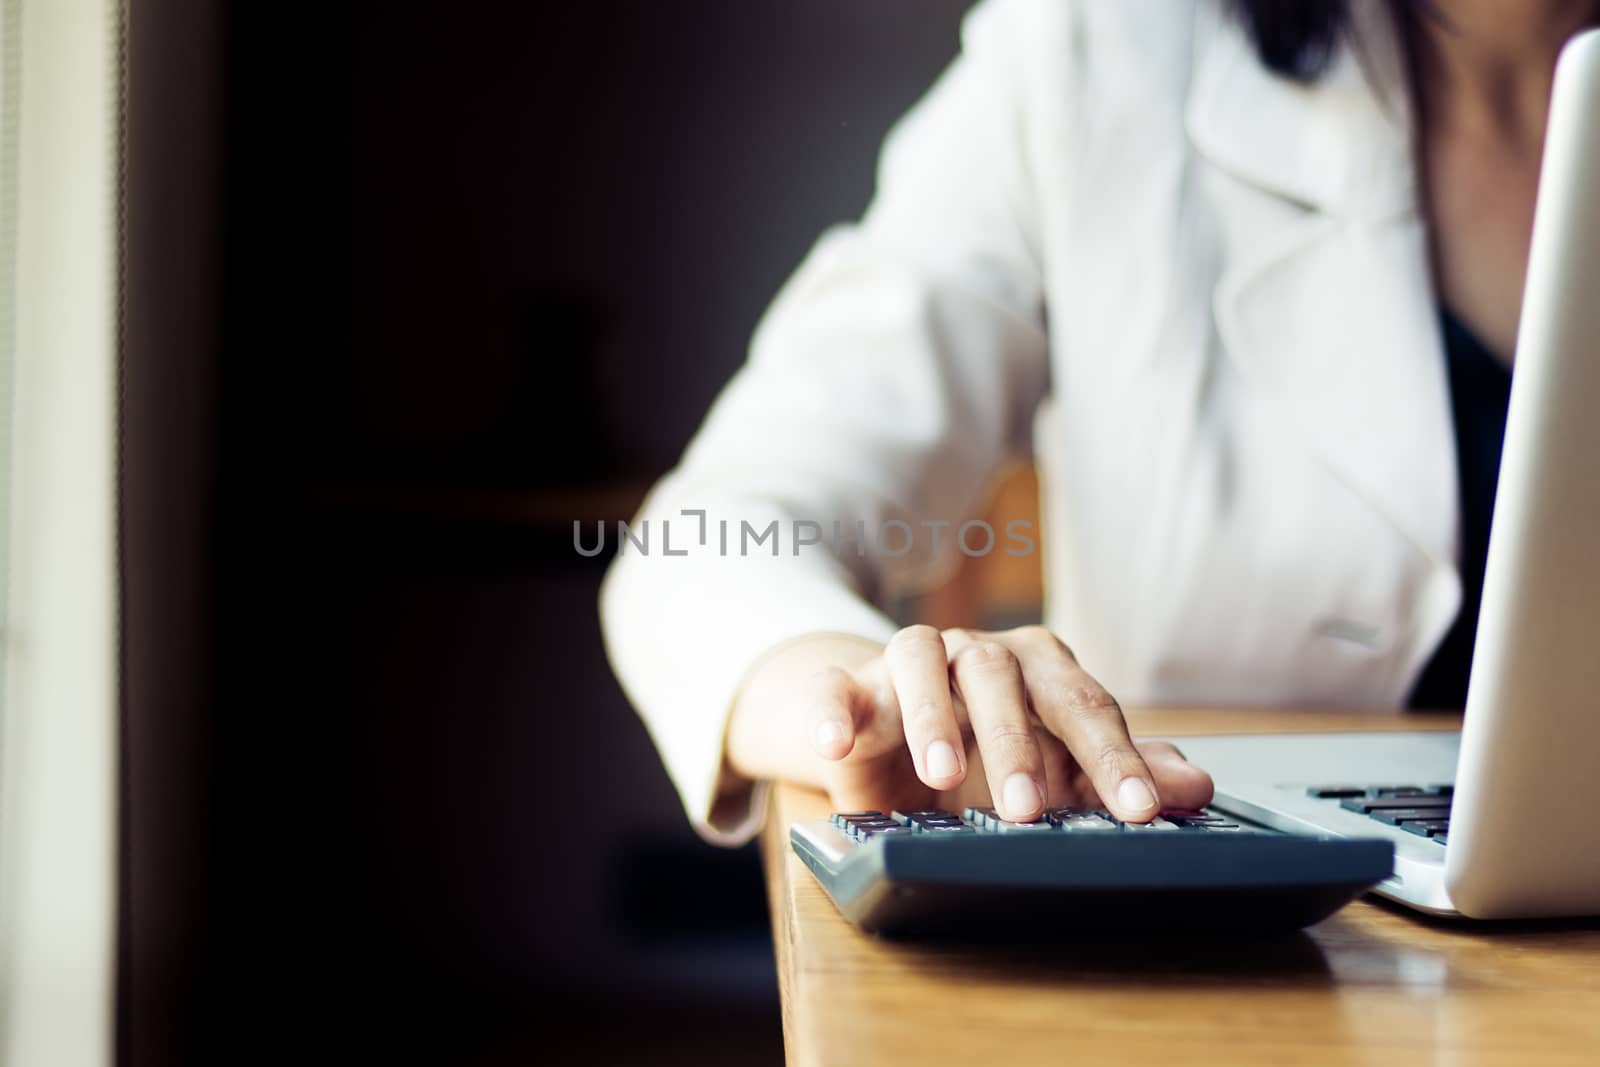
1295,38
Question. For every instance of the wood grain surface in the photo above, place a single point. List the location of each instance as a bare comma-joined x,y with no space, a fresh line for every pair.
1374,983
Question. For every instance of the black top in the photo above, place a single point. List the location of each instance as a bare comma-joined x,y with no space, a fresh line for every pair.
1480,387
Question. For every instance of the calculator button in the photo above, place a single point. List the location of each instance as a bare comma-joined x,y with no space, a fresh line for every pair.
1079,819
980,817
928,818
1196,820
843,818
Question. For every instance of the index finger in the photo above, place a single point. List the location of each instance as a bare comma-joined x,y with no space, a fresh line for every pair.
920,668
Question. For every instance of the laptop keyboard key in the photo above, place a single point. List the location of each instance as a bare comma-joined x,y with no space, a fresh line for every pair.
1423,810
1366,805
1336,792
1396,816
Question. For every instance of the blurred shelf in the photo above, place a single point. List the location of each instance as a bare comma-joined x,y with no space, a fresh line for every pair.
544,510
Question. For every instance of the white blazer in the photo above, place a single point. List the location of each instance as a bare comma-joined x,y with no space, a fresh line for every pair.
1200,292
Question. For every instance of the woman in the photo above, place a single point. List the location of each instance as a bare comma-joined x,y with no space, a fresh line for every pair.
1246,276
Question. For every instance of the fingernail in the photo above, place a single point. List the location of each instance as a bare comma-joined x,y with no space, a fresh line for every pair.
1021,795
1134,795
941,760
829,734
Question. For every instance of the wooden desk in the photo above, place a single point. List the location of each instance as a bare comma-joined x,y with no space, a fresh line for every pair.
1373,984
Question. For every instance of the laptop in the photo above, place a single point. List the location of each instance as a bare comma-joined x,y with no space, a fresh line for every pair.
1499,820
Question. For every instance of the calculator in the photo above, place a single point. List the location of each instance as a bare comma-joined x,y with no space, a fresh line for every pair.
939,871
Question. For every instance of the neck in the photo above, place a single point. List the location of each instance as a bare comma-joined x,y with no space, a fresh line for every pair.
1486,66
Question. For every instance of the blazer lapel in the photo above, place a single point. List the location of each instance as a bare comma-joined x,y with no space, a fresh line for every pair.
1326,301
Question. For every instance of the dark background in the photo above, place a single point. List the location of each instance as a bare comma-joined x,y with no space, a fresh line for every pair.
408,288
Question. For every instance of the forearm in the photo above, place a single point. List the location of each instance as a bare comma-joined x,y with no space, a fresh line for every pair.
683,633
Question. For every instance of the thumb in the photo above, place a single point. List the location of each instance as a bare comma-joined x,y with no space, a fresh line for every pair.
1181,784
852,713
829,698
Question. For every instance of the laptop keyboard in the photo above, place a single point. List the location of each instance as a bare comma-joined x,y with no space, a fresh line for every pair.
1423,810
864,825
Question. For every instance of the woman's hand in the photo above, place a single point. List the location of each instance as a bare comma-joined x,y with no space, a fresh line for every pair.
945,719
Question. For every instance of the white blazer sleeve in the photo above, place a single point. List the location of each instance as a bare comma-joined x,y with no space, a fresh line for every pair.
895,372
